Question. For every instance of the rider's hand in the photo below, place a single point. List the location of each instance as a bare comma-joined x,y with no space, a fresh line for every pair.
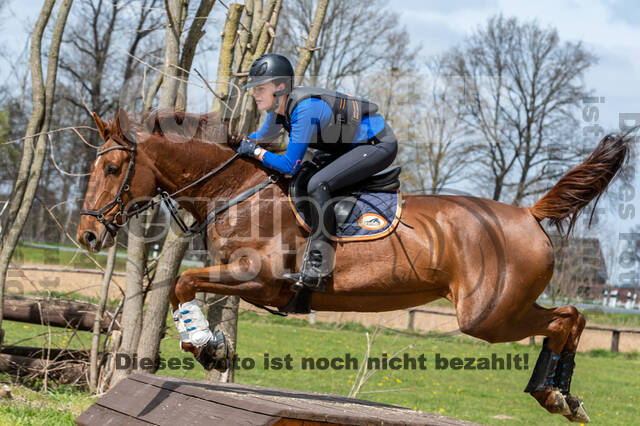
247,147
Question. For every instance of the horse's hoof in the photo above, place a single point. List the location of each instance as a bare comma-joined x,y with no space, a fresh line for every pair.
553,401
578,413
216,353
559,404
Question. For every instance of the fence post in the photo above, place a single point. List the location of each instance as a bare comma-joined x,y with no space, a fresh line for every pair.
412,315
615,340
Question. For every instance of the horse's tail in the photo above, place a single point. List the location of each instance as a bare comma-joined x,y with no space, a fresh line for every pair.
583,183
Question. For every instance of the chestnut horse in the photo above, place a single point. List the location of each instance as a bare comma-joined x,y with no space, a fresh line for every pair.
491,260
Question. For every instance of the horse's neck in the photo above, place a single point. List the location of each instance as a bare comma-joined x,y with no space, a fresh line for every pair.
178,164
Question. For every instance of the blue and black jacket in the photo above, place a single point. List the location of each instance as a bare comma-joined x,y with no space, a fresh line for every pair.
319,118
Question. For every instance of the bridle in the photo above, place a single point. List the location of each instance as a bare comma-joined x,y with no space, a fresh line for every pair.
112,225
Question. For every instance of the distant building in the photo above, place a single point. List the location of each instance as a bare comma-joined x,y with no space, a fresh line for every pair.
580,270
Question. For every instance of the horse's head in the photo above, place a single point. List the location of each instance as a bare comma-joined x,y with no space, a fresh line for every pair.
120,176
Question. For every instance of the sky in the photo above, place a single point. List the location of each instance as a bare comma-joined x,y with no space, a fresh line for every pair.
608,28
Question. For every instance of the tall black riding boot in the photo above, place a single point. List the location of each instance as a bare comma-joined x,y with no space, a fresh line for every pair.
317,263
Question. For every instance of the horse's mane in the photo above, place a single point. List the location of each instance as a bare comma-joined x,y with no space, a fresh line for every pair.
187,126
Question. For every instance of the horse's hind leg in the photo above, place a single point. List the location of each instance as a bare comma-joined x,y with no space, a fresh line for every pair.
564,372
561,326
551,378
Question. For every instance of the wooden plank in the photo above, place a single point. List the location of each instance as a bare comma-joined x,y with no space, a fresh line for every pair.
101,416
294,404
291,422
55,312
167,407
270,401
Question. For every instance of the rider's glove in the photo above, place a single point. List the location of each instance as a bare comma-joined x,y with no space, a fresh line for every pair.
248,148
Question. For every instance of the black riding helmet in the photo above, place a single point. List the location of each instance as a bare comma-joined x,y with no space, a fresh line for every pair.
271,67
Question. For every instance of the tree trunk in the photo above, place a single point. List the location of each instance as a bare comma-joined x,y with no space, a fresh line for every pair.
188,51
222,314
37,116
132,308
170,82
225,59
174,246
305,53
156,314
43,99
104,293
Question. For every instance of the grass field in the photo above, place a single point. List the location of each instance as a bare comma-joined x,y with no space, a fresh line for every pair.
69,256
609,384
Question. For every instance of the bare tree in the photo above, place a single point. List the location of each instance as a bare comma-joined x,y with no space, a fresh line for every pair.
352,40
33,154
521,87
438,149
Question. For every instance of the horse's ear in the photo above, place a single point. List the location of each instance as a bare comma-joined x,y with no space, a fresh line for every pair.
124,125
102,126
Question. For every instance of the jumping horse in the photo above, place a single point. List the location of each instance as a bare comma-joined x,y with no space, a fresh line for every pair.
490,260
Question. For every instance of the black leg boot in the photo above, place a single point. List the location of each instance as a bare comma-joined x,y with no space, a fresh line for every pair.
545,370
317,262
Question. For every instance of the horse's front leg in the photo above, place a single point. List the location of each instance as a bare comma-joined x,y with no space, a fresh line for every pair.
212,350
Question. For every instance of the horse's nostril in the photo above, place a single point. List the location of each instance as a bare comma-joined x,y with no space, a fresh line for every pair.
89,237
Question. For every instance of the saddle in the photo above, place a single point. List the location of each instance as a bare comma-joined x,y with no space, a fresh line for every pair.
366,210
386,181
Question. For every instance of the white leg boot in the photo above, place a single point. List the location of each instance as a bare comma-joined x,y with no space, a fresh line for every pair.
215,350
196,325
182,329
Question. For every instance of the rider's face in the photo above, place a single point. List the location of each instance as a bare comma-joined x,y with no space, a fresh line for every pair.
263,95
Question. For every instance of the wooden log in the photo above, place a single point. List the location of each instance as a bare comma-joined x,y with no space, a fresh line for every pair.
161,400
36,352
64,372
55,312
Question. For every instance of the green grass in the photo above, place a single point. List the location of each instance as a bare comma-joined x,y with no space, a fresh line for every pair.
71,259
608,382
30,407
41,256
614,319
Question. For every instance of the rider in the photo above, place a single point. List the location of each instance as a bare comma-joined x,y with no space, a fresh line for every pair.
329,121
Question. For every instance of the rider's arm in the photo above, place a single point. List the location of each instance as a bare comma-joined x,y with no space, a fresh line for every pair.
307,117
268,130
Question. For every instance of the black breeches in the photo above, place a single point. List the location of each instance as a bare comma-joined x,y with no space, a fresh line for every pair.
359,163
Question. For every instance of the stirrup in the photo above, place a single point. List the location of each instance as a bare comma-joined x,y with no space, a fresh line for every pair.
301,280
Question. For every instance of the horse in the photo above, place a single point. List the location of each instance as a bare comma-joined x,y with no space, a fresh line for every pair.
489,259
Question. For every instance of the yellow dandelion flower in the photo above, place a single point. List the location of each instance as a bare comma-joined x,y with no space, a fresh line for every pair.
398,381
379,383
442,410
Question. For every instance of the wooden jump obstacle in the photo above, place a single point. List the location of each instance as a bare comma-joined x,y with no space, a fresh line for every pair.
143,399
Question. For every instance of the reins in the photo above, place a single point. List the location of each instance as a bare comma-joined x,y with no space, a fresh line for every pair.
197,228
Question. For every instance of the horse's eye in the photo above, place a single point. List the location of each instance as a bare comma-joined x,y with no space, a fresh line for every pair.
112,169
